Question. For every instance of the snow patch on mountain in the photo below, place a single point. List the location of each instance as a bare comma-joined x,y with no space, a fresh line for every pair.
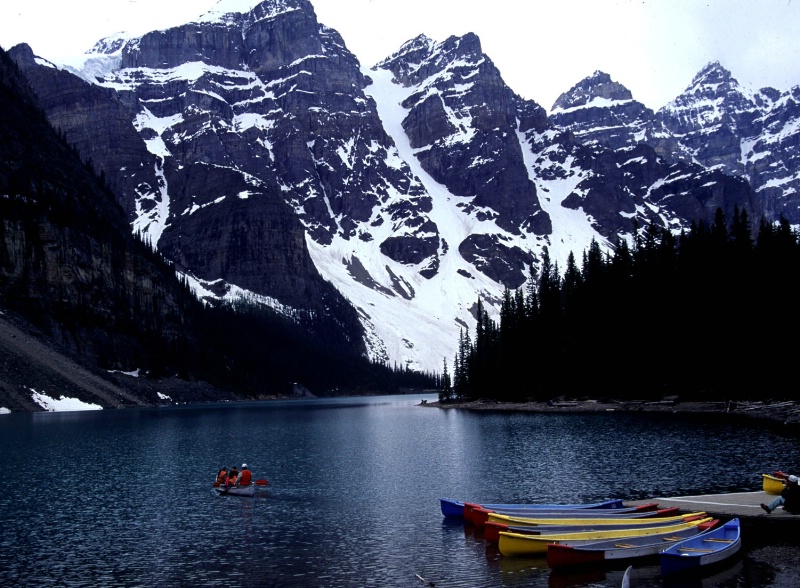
593,102
152,209
399,307
225,8
572,229
220,290
62,403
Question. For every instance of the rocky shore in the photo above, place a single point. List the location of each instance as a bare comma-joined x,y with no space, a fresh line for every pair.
779,414
28,363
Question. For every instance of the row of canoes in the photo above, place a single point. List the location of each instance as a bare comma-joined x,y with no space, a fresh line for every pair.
583,534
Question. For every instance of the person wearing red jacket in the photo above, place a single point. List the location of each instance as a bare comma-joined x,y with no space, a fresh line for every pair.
245,477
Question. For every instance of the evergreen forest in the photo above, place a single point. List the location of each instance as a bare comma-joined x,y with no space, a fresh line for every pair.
707,315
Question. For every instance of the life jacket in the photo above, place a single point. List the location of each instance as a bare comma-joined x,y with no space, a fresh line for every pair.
222,476
245,477
232,477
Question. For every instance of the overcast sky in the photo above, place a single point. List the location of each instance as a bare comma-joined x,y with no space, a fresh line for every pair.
542,47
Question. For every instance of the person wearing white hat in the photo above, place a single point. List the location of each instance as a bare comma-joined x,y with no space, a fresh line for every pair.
789,497
245,477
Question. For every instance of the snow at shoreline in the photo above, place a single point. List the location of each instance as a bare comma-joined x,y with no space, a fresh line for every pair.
61,404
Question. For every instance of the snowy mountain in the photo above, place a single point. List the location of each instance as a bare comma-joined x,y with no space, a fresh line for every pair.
602,112
715,122
261,158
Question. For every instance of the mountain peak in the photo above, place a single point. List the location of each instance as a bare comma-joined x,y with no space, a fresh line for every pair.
469,43
713,73
714,82
597,85
422,47
419,43
258,135
224,9
111,44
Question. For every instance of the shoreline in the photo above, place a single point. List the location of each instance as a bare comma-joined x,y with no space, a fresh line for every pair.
776,414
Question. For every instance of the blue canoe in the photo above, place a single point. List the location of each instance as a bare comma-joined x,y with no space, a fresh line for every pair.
455,508
705,549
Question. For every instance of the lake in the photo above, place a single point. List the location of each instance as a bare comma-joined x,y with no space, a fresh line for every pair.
124,498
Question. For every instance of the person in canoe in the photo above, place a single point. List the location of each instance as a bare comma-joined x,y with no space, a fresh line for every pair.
222,477
233,473
245,477
789,497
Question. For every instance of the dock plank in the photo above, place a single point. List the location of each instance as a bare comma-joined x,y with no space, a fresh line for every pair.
744,505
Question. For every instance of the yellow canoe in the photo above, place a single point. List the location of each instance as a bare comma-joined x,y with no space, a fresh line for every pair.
533,522
519,544
772,484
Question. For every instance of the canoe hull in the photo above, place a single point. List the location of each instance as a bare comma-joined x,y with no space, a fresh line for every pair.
241,491
569,520
703,550
646,510
452,508
491,531
772,484
513,544
455,508
615,550
479,516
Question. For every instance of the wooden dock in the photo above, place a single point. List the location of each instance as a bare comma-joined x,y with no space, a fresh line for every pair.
757,524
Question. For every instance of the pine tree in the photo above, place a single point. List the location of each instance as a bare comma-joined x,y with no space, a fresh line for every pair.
446,389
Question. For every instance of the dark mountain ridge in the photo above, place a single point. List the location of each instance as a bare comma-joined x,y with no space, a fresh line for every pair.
83,299
68,261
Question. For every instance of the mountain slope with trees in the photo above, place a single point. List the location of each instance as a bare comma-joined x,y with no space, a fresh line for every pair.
74,277
669,316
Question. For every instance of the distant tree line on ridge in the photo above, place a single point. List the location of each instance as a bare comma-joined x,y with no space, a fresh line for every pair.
710,314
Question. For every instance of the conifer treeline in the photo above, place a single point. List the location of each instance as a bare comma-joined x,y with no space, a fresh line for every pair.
711,314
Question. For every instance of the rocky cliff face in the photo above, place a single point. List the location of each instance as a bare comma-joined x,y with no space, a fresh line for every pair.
258,155
715,123
709,120
95,121
600,111
218,174
462,122
772,156
70,264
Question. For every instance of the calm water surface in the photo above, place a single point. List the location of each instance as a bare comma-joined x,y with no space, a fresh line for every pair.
124,498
